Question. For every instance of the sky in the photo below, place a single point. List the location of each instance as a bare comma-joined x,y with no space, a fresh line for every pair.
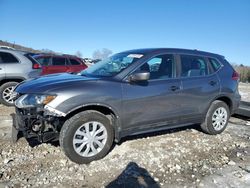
219,26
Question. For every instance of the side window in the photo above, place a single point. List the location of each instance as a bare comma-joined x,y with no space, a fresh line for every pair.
59,61
193,66
160,67
74,62
44,61
7,58
214,64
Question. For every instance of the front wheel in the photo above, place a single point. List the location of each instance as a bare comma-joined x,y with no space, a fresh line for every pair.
87,136
217,118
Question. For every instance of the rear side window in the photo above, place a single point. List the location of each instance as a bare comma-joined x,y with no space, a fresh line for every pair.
44,61
214,64
74,62
59,61
193,66
7,58
31,59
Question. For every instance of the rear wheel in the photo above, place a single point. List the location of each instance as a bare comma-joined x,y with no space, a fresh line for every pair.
217,118
6,93
87,136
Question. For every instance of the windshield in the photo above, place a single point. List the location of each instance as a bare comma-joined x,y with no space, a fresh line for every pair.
112,65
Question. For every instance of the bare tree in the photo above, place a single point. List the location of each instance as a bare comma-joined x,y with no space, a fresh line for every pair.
45,50
102,54
78,54
244,72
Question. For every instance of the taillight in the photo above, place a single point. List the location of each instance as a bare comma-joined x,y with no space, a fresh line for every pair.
36,66
235,76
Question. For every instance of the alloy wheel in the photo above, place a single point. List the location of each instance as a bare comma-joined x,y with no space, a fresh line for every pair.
8,94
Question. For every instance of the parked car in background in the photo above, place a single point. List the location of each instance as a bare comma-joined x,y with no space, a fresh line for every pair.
7,48
131,92
52,63
15,67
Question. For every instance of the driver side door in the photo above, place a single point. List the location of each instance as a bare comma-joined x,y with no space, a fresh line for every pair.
153,103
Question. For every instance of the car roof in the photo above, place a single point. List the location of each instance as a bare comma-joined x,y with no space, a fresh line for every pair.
6,47
55,55
147,51
13,51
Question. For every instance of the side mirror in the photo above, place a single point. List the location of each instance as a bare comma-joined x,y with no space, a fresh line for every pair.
141,76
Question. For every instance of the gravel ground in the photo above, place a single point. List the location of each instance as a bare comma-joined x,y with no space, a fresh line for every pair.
180,157
176,158
245,91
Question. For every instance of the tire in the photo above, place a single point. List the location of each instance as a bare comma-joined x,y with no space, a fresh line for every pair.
75,130
213,126
5,89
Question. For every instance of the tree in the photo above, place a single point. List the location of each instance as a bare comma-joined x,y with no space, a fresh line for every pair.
78,54
244,72
102,54
45,50
248,76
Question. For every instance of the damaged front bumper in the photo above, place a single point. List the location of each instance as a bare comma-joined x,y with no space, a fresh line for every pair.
43,124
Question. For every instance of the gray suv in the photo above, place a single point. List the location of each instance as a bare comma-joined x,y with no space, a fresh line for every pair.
131,92
15,67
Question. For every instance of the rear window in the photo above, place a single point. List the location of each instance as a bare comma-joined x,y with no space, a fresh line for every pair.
193,66
7,58
74,62
31,59
214,64
44,61
59,61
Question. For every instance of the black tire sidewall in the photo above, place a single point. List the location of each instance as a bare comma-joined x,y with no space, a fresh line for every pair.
2,88
66,136
211,111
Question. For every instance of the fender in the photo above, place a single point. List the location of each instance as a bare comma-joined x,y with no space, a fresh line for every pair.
12,78
117,121
217,97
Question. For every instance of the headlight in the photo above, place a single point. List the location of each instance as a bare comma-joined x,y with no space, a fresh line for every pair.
33,100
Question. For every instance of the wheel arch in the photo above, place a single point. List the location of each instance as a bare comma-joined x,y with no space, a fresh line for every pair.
18,79
226,100
104,109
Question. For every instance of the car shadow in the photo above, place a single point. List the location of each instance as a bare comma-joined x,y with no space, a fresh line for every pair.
158,133
134,176
244,118
33,142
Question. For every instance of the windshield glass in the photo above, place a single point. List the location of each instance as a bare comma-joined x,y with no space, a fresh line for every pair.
112,65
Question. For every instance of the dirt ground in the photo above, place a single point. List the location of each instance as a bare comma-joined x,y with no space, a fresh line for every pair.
176,158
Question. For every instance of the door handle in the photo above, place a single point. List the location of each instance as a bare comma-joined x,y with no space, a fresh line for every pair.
212,83
174,88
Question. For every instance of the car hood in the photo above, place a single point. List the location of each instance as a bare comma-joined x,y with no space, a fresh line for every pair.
51,82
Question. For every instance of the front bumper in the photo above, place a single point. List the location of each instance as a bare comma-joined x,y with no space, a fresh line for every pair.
32,123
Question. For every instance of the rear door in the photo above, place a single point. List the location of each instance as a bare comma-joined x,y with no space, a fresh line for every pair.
75,65
2,67
59,64
10,65
199,87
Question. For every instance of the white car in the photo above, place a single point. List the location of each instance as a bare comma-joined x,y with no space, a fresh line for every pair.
7,48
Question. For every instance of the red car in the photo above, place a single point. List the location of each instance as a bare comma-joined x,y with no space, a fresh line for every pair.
59,63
